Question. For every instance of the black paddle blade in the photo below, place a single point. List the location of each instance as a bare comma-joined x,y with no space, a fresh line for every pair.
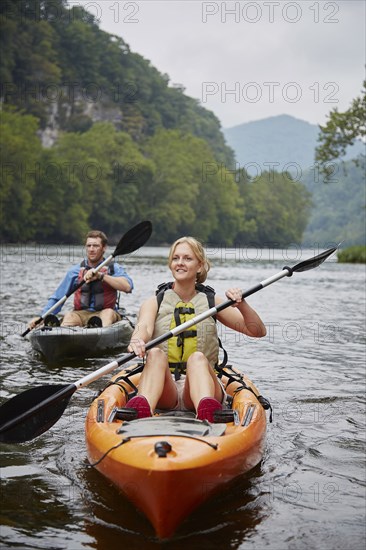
134,238
314,262
31,413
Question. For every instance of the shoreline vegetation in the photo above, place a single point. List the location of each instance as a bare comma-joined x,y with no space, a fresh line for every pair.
352,255
94,136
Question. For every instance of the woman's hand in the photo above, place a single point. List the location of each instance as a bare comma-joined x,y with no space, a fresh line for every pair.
137,346
243,318
235,294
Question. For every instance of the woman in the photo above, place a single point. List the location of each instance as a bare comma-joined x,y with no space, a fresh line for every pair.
193,353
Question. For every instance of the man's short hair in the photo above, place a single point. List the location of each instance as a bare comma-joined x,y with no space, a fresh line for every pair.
95,234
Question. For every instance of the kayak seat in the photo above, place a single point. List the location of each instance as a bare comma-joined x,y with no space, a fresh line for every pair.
171,425
220,416
182,414
127,413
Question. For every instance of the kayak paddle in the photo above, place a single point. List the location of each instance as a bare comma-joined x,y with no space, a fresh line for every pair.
136,237
32,412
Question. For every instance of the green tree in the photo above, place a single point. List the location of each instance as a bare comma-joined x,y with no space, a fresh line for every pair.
20,170
93,179
170,197
277,210
190,192
29,61
342,130
127,173
338,214
48,199
220,202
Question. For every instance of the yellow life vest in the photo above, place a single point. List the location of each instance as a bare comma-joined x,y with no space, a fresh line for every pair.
201,337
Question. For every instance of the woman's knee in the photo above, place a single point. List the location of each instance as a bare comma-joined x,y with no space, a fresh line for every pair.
197,360
156,353
157,358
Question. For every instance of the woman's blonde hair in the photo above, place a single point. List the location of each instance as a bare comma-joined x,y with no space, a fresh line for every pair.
198,251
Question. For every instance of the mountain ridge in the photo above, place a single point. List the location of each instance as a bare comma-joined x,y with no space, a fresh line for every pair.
292,146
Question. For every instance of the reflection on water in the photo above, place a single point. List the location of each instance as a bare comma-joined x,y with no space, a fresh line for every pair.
308,492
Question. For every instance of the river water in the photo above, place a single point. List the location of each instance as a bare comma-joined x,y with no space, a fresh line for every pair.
309,489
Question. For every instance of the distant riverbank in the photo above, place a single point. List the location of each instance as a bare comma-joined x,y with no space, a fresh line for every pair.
352,255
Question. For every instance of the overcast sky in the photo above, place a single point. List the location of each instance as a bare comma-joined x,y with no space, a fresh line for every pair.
248,60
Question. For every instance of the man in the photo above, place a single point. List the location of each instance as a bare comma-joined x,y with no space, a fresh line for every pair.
95,302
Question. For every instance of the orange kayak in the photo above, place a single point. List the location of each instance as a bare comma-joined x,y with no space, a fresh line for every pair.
171,463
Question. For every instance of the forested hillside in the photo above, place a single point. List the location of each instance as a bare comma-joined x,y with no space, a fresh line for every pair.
338,214
338,201
94,136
